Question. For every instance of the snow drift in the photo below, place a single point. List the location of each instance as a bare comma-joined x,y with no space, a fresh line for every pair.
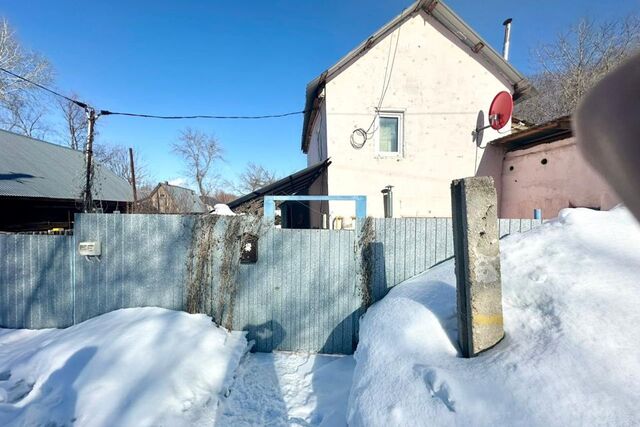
132,367
571,356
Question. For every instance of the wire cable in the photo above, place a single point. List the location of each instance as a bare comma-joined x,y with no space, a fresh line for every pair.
150,116
363,134
200,116
38,85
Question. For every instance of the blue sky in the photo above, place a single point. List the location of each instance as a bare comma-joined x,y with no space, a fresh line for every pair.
250,58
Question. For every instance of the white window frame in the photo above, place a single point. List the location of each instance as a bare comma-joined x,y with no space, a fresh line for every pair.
397,114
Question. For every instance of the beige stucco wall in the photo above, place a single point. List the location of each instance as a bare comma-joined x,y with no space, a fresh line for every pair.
440,86
491,165
566,180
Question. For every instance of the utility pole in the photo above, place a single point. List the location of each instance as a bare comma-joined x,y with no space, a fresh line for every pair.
87,199
133,179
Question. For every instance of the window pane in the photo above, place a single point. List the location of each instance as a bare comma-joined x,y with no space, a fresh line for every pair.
389,134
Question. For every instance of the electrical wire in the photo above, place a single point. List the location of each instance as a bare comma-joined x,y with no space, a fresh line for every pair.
38,85
386,81
150,116
200,116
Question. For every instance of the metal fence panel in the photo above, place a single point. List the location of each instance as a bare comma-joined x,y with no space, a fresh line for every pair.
303,293
36,281
143,262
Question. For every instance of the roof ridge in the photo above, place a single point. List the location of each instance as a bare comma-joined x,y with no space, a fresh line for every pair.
40,140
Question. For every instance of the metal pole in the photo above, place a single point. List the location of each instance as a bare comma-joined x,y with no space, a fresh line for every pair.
507,38
133,179
87,200
387,198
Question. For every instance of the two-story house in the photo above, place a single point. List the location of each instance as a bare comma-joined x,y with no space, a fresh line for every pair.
400,109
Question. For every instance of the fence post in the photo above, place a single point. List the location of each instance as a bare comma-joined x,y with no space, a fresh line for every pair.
477,254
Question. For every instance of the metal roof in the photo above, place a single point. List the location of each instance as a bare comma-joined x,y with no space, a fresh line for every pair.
522,89
544,133
186,198
289,185
30,167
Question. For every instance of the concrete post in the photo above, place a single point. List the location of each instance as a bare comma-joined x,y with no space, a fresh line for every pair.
477,253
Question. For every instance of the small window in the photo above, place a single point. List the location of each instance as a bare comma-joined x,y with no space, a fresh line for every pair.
390,134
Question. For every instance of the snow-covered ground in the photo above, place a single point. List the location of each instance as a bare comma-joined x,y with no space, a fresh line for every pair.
156,367
571,356
283,389
133,367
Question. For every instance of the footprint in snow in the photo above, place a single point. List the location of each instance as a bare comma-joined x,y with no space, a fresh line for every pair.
15,392
537,276
437,388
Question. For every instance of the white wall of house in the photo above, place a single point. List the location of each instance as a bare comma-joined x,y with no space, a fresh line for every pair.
438,86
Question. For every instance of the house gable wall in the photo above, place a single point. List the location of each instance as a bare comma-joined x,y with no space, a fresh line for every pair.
440,86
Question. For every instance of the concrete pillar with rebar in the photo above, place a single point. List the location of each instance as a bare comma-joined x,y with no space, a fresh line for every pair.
477,254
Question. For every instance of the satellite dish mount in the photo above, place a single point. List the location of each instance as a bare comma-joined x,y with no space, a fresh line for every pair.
499,112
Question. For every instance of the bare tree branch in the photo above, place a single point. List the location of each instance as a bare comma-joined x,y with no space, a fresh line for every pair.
75,120
199,152
255,176
21,107
578,58
116,158
24,115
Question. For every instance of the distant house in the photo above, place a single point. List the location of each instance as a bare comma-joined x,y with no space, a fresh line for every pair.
412,131
542,168
41,184
167,198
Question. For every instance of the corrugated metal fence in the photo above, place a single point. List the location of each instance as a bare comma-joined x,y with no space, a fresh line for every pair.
36,281
306,291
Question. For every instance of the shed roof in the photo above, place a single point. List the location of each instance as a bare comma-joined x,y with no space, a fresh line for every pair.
522,88
186,198
30,167
289,185
544,133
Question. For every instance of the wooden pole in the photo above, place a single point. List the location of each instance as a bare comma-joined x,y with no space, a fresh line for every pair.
133,179
87,198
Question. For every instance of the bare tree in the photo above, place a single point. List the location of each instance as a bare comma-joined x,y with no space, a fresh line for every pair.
145,189
221,196
116,158
199,152
27,64
75,121
22,109
25,115
255,176
574,62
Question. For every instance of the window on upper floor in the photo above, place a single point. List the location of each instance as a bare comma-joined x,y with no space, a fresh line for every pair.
390,133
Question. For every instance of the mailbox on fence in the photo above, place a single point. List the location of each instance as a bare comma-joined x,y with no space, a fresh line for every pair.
248,249
89,248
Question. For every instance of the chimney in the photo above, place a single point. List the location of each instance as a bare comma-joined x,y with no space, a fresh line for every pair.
507,38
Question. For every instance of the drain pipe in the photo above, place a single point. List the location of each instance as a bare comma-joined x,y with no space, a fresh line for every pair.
387,198
507,38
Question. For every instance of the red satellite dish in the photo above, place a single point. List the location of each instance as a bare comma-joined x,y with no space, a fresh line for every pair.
500,110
